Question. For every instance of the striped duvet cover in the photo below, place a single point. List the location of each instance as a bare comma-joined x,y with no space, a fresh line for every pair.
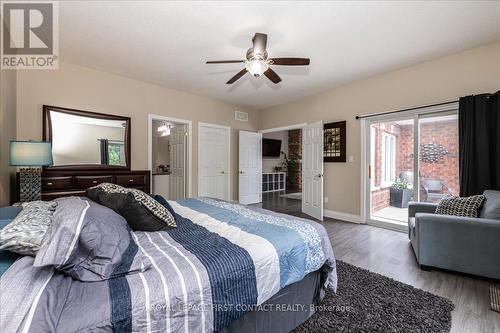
221,261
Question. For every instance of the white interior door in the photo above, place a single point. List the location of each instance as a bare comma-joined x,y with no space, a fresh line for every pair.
250,167
312,170
178,144
213,161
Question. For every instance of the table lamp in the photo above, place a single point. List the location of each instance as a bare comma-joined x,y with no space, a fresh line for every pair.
31,155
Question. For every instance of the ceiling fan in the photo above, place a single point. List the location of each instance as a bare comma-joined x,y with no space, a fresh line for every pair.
258,62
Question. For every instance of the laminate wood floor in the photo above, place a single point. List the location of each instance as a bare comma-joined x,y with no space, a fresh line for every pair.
389,253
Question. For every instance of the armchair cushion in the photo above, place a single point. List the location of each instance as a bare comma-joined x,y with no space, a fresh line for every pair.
491,207
458,206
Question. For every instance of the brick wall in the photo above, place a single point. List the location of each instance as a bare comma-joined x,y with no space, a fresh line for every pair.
295,151
446,134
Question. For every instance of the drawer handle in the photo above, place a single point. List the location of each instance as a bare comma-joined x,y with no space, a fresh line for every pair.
130,180
94,182
49,184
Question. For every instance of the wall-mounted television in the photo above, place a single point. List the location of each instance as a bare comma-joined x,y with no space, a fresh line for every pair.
271,148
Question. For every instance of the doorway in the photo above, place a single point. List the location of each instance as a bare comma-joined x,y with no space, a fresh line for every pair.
213,161
282,170
169,156
292,165
394,176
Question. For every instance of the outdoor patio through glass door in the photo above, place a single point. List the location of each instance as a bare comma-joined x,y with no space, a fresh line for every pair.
396,177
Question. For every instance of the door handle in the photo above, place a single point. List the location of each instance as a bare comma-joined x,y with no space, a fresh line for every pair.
241,172
319,175
223,172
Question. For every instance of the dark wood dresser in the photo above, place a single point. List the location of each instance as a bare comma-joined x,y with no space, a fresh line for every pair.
64,183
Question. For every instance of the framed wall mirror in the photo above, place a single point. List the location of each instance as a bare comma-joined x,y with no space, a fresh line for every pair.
86,140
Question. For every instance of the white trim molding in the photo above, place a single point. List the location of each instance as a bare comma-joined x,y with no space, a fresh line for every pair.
387,224
343,216
189,124
283,128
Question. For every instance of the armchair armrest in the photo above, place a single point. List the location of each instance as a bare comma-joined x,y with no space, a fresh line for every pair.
421,207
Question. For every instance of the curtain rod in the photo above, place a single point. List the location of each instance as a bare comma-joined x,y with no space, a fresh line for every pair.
403,110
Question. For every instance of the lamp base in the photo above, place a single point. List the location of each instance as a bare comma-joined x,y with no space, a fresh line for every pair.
30,184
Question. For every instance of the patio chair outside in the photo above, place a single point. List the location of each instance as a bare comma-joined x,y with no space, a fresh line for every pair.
435,190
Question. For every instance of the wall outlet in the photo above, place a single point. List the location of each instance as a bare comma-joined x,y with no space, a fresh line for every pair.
326,199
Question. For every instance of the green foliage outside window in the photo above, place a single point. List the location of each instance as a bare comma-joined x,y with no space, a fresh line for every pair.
114,154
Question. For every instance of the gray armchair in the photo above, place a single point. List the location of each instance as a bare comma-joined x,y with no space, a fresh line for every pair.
463,244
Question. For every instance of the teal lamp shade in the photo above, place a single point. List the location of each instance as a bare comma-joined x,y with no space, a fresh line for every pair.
30,153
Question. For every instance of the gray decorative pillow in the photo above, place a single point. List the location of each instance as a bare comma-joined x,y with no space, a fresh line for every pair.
459,206
25,233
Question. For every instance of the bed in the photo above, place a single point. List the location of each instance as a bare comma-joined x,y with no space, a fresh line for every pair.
225,267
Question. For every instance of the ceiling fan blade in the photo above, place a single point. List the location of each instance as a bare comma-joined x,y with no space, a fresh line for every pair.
224,61
271,75
291,61
259,43
237,76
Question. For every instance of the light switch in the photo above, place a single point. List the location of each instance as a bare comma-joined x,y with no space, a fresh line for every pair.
351,159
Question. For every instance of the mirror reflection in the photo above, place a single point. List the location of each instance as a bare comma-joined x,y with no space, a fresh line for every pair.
86,140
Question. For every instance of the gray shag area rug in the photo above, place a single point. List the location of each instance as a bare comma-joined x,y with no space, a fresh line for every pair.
370,302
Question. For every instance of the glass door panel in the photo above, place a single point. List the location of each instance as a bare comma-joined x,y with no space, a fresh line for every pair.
438,157
391,169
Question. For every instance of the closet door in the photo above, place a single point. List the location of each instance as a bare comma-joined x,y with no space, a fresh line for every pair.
213,161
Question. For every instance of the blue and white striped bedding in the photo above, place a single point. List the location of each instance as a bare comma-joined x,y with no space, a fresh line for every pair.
221,261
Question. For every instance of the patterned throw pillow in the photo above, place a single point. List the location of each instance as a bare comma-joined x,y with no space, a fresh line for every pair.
458,206
141,211
25,233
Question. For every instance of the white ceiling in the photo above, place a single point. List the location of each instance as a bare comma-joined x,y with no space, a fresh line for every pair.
167,43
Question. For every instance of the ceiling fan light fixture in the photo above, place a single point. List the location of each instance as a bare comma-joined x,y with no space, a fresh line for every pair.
164,129
256,67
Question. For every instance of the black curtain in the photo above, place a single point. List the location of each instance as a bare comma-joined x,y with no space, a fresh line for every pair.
479,143
104,151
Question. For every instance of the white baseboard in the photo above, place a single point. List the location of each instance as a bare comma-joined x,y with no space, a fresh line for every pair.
342,216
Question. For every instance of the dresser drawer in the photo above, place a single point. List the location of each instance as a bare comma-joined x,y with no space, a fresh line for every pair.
130,180
89,181
57,183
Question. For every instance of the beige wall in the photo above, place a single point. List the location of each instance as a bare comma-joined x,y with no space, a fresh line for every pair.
86,89
7,130
448,78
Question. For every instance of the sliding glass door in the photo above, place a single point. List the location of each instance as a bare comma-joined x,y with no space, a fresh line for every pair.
391,169
395,177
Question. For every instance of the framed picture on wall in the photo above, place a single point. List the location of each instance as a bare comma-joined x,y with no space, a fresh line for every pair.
334,143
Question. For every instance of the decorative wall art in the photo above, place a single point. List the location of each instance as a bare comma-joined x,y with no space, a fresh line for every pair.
432,153
334,144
